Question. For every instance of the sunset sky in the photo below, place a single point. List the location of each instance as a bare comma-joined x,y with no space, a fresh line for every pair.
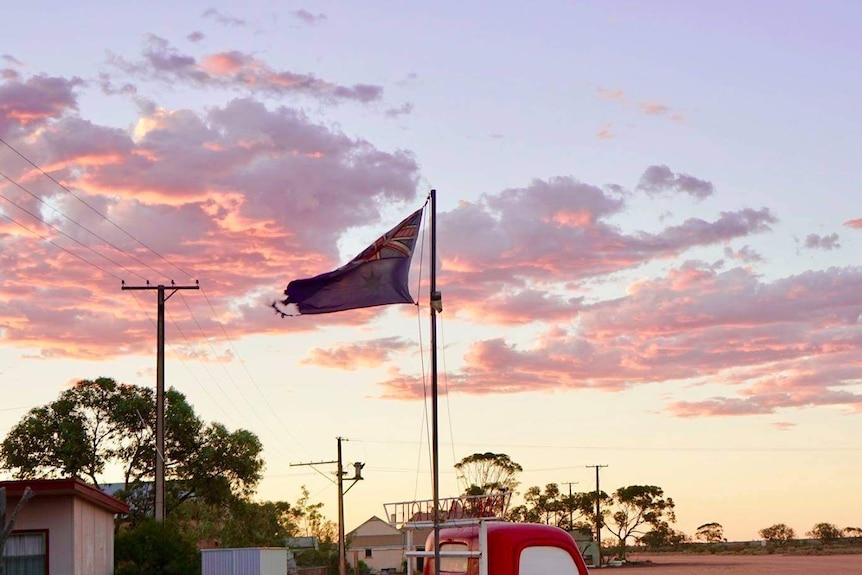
649,220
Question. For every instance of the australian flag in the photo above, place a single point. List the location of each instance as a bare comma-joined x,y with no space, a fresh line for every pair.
377,276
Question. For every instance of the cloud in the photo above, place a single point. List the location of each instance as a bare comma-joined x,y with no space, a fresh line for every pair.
33,102
308,17
744,254
246,198
610,94
605,133
359,355
236,70
224,19
826,243
646,107
403,110
792,343
653,108
783,425
195,37
660,179
857,224
558,231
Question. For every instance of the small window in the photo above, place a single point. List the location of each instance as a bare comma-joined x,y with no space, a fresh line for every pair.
368,552
26,554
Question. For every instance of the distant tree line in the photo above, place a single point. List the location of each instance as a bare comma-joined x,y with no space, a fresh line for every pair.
637,512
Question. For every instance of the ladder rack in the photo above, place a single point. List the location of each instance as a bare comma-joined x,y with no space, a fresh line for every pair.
463,511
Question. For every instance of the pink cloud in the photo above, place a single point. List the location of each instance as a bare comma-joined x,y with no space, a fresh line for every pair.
649,108
234,69
653,108
237,194
366,354
783,425
605,133
245,197
610,94
857,224
34,101
789,344
558,231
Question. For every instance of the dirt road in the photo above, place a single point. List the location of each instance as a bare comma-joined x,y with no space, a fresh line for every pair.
669,564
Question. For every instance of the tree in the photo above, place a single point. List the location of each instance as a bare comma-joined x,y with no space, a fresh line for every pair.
826,532
238,523
551,506
100,422
778,534
710,532
154,548
663,536
485,473
310,520
638,505
854,532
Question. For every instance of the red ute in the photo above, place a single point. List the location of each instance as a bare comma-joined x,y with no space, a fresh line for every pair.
500,548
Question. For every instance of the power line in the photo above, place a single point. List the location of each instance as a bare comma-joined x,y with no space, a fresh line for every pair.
248,373
93,209
83,227
58,246
729,449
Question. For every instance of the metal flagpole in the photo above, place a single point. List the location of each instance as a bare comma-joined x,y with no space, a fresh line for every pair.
436,306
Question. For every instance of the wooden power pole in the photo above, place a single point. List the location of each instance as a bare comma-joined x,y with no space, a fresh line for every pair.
598,513
342,543
160,389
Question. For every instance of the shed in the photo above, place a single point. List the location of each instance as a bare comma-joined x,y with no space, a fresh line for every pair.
244,561
68,527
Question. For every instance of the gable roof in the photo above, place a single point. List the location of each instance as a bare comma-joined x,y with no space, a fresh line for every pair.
376,524
74,487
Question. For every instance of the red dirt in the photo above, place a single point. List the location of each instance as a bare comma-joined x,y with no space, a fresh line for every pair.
671,564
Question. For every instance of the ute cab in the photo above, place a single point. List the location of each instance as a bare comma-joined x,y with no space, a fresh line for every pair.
476,540
501,548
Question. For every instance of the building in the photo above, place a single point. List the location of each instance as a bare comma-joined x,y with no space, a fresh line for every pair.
382,546
67,527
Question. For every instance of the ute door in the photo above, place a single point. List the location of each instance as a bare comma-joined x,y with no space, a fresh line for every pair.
546,560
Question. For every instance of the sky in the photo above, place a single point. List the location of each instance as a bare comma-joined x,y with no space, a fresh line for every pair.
647,215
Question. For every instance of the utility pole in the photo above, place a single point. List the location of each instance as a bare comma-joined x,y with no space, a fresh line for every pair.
598,513
342,544
160,389
571,511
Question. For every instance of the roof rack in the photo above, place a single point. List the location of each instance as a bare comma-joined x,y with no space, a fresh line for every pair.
451,511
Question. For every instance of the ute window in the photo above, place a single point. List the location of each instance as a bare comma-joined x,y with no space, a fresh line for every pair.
452,564
542,560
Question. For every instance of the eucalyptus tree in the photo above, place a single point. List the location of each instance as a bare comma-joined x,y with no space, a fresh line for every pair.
636,507
485,473
99,423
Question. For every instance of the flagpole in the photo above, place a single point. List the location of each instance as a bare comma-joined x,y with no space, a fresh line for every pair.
436,305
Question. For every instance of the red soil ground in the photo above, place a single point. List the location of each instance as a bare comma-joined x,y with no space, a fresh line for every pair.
696,564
